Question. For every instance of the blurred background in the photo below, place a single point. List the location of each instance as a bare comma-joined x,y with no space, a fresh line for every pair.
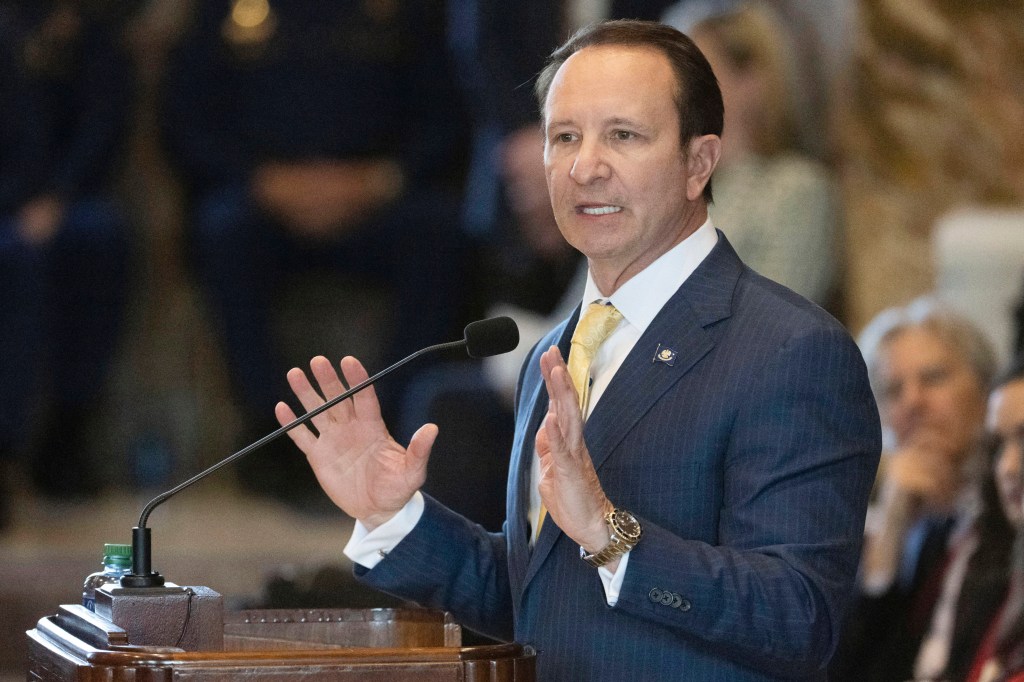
197,196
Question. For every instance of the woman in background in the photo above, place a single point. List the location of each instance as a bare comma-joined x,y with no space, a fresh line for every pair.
1001,655
776,204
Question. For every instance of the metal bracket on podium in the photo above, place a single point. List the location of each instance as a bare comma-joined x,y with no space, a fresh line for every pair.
190,618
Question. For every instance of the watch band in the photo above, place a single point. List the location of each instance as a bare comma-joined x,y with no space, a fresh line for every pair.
625,534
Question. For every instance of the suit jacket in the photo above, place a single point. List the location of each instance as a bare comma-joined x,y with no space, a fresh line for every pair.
748,457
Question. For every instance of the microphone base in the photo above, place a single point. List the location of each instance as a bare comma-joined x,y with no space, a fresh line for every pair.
189,618
142,581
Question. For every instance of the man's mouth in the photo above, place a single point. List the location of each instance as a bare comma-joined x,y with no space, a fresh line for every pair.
599,210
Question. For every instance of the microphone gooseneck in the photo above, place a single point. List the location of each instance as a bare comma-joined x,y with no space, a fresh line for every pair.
482,339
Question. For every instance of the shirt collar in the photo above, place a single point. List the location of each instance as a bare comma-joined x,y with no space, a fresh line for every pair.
646,293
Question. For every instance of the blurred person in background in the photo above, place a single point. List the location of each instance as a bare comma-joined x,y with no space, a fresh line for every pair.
1000,658
776,203
316,136
933,569
67,87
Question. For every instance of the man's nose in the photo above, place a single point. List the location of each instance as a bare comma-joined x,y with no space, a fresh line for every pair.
590,164
911,396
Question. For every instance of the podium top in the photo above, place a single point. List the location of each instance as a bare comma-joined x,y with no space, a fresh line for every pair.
294,628
309,645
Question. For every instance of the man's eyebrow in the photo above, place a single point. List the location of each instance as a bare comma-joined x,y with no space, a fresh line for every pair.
608,123
558,124
621,121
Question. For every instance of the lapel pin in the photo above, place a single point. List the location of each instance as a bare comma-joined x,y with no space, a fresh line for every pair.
666,355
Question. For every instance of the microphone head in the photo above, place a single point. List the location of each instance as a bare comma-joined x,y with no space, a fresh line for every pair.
493,336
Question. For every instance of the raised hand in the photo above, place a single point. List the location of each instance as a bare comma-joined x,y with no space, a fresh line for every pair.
358,464
569,486
928,471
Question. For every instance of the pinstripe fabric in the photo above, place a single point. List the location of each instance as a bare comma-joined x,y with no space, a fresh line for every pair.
748,460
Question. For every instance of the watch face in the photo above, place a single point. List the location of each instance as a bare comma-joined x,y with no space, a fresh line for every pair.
626,524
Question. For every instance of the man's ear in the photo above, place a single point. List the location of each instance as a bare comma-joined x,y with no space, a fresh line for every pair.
702,155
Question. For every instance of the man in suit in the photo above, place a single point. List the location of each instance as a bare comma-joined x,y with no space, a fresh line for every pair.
718,473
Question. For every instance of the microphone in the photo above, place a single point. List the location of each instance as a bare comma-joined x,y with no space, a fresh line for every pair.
494,336
482,339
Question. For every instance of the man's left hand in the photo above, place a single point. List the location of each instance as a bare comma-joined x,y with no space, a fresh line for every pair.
569,486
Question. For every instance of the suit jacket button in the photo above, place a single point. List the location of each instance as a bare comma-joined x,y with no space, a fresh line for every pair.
655,595
684,604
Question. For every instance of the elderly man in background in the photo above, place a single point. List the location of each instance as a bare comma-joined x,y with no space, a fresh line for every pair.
935,552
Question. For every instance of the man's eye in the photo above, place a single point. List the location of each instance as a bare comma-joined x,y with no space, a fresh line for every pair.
564,137
891,391
935,376
624,135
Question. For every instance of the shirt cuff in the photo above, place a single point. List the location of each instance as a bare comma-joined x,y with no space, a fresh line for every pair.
368,547
613,581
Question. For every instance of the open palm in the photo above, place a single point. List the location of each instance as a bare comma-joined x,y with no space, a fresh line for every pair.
359,465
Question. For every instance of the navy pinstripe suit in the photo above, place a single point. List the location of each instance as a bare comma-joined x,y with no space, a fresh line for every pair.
748,461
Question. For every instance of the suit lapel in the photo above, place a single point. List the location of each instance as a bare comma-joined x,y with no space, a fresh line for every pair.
681,325
642,380
679,328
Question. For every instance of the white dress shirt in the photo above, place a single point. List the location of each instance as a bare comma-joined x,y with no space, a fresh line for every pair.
639,300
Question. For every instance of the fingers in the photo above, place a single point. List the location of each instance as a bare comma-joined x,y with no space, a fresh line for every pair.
300,435
303,389
556,378
328,380
308,396
564,420
550,359
364,403
422,442
560,446
551,431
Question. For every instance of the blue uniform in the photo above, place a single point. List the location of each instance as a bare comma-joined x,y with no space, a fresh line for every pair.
327,80
66,94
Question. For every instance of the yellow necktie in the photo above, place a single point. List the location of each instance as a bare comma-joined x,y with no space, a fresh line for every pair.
598,321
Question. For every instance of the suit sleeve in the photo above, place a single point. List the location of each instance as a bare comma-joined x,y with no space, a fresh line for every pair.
772,591
447,562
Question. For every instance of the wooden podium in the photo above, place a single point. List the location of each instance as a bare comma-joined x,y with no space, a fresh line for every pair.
292,645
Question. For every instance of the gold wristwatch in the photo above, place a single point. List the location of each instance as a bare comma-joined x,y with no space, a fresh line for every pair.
626,532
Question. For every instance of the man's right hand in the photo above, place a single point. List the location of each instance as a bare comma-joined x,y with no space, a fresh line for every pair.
922,477
358,464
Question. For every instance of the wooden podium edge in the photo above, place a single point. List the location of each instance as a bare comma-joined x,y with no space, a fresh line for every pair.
69,657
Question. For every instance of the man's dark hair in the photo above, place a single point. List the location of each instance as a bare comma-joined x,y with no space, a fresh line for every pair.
698,98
